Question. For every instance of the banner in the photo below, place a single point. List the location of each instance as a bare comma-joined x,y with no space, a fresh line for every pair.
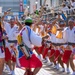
20,14
63,16
21,6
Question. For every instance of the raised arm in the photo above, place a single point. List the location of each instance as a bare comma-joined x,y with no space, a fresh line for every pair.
18,23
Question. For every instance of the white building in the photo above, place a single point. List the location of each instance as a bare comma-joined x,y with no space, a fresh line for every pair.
35,4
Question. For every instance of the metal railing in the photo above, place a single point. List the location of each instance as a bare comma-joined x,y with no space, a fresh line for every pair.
56,10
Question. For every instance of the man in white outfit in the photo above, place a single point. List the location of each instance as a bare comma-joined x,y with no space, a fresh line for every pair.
29,38
12,30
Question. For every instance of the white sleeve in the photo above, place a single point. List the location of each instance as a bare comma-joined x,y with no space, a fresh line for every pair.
26,39
35,39
65,36
6,26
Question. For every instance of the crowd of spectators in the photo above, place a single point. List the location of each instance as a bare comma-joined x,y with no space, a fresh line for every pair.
68,7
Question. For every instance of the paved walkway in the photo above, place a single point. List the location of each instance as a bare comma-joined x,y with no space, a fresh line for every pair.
46,70
21,72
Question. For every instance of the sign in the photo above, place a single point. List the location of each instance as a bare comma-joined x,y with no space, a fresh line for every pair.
20,14
8,17
25,2
0,9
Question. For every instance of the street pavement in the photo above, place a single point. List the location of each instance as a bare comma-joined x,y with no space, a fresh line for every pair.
46,70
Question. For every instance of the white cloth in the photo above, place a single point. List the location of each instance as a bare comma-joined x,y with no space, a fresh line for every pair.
2,55
35,39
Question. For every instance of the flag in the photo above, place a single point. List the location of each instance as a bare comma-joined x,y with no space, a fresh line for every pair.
63,16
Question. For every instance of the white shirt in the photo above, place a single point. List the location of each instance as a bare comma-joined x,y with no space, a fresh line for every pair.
34,38
11,32
53,38
71,35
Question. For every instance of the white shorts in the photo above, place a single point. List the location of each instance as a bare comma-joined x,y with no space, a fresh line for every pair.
2,55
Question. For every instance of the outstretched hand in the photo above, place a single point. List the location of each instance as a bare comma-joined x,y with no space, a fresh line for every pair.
18,23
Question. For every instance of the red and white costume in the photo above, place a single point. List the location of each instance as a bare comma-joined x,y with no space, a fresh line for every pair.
36,40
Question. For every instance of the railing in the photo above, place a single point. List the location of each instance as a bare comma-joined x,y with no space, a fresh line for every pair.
55,10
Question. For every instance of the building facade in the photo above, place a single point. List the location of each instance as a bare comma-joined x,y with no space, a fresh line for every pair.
18,5
13,4
35,4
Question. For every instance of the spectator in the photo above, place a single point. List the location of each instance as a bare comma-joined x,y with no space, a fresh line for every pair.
66,2
73,3
64,8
